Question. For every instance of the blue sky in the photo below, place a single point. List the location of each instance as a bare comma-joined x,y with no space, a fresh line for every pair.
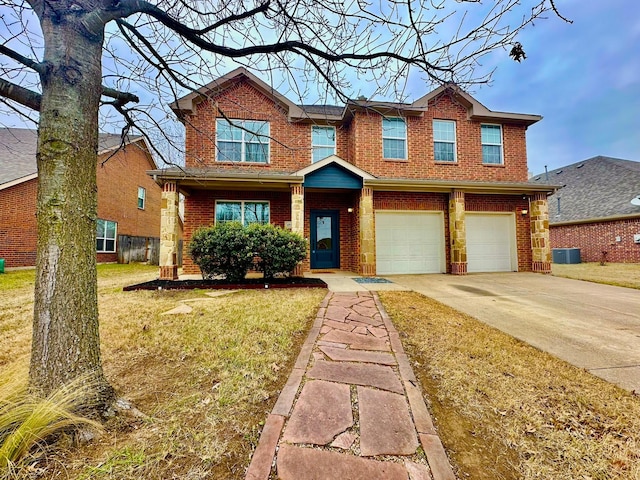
583,78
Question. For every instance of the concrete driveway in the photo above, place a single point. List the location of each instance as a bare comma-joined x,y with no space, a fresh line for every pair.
593,326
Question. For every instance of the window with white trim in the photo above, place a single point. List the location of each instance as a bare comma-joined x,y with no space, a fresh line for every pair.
142,195
245,212
242,141
444,140
491,144
394,138
106,232
323,142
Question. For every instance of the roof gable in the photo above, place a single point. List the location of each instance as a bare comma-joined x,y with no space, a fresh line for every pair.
598,187
334,159
18,147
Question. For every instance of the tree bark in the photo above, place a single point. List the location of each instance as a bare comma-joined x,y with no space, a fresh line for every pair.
66,341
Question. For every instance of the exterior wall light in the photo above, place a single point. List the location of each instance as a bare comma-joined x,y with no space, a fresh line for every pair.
350,209
524,211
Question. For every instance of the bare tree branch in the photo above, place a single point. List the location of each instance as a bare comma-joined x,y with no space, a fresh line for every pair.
21,95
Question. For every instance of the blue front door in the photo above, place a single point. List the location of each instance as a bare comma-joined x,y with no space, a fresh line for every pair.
325,239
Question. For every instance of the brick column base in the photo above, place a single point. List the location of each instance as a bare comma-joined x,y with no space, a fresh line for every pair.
297,271
541,267
458,268
169,272
368,269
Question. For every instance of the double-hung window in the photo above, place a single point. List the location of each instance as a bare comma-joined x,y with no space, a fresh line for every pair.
323,142
492,144
444,140
245,212
394,138
106,236
142,195
242,141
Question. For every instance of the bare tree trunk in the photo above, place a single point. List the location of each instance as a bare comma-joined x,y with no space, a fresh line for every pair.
66,342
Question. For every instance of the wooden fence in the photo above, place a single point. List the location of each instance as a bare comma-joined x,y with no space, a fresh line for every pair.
141,249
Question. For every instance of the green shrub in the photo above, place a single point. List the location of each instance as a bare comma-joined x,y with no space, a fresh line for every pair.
223,249
278,250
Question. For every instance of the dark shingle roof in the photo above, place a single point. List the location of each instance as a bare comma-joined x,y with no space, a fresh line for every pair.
18,151
598,187
331,110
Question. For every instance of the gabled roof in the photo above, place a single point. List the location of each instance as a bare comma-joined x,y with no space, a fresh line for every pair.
477,111
335,113
593,189
18,148
335,160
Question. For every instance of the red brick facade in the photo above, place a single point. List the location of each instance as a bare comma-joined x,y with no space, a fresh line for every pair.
594,238
118,181
359,143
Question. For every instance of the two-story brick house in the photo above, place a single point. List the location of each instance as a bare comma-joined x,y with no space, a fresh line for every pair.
438,185
128,199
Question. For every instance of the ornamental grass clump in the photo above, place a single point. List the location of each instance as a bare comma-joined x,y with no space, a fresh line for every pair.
27,422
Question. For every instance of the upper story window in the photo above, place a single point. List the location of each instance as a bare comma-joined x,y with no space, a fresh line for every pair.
242,141
492,144
444,140
245,212
394,138
106,236
142,195
323,142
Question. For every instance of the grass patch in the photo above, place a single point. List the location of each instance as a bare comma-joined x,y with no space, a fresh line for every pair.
618,274
506,410
206,380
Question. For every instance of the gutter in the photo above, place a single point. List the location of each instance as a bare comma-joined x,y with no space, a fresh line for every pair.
612,218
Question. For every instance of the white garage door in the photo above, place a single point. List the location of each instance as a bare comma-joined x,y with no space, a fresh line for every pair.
409,242
491,242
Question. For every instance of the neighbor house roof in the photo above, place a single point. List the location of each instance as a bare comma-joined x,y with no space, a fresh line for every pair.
334,113
18,153
594,189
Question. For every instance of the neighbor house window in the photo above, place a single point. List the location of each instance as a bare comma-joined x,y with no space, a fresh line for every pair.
242,141
323,142
245,212
394,138
444,141
492,144
142,194
106,236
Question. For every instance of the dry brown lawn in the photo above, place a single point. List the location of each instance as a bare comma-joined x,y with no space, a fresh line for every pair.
506,410
620,274
206,379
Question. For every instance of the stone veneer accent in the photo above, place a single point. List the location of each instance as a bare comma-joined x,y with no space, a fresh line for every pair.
169,232
367,233
457,233
297,217
540,245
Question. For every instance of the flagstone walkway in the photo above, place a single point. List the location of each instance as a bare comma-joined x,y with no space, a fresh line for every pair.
351,409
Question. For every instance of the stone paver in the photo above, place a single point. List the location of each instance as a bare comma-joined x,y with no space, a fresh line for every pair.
322,411
295,463
385,424
351,362
378,376
354,340
179,310
341,354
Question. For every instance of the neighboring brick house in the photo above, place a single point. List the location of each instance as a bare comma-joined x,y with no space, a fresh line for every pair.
593,211
128,199
438,185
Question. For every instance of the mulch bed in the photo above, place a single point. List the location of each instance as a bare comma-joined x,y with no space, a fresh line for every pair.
248,283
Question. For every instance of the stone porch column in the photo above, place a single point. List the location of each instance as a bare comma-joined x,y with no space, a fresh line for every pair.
297,217
169,232
457,233
540,245
367,233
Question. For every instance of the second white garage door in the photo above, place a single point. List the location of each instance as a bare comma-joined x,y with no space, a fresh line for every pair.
409,242
491,242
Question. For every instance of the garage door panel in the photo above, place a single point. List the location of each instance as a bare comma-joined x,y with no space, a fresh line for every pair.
491,243
409,242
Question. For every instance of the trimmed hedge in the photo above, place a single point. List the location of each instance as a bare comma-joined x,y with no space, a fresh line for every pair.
229,249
